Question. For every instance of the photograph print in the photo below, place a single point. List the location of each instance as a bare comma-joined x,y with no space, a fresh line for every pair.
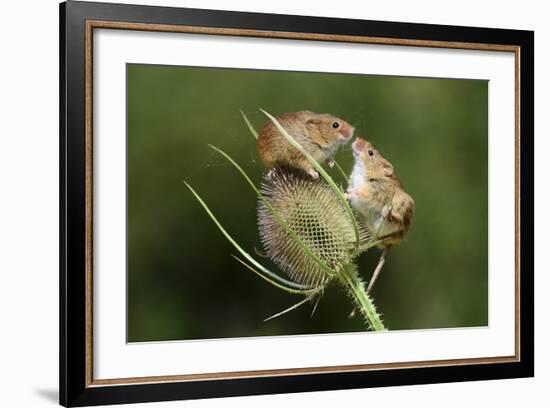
278,203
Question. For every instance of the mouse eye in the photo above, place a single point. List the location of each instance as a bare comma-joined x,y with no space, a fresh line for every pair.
371,153
335,125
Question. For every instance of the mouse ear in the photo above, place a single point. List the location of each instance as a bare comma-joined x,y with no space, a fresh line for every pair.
388,169
312,122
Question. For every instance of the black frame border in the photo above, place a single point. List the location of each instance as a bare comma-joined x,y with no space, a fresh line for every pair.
72,298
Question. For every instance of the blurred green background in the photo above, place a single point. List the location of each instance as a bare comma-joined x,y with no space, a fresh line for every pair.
183,282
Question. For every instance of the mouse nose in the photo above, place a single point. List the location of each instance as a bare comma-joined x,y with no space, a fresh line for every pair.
347,132
358,145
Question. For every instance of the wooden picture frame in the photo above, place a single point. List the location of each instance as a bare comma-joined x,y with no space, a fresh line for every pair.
78,20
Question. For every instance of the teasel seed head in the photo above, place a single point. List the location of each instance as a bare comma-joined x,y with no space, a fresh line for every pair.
316,215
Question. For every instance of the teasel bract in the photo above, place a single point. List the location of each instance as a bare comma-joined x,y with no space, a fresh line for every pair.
307,229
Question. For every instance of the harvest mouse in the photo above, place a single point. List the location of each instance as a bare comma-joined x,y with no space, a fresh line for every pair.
376,194
319,134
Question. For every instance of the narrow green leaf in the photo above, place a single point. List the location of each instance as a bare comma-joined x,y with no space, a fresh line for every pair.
278,285
242,251
291,308
341,171
250,127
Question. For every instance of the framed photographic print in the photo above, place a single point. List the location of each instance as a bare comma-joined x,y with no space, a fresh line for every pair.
255,203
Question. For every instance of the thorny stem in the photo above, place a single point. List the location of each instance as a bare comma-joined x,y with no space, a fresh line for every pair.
350,279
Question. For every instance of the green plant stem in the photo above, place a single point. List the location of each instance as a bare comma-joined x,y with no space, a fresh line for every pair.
356,289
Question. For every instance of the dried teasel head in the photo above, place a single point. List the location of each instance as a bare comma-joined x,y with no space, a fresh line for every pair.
312,210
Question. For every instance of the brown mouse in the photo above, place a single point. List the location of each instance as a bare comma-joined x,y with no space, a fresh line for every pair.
378,197
319,134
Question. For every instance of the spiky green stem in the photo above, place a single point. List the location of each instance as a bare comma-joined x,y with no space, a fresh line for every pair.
356,289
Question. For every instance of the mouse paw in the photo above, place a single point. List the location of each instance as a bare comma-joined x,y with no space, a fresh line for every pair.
330,163
350,193
313,174
386,210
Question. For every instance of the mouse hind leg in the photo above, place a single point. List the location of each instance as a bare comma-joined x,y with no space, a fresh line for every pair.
378,269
